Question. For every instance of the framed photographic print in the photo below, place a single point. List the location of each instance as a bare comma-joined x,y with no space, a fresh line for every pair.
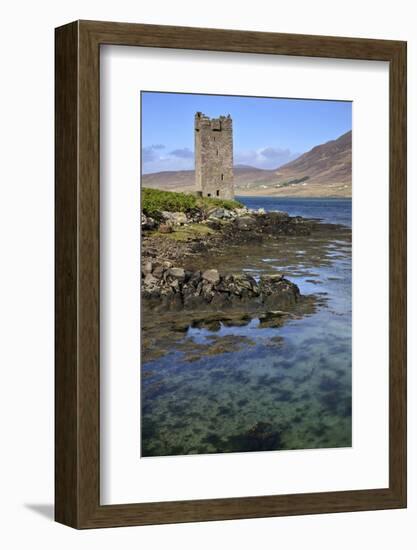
230,274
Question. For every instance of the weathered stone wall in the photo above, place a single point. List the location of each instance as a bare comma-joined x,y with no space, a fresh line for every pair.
214,156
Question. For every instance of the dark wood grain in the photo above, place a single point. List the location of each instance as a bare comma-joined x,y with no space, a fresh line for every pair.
78,285
66,304
398,273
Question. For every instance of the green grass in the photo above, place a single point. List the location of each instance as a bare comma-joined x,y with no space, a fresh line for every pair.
155,201
186,233
207,202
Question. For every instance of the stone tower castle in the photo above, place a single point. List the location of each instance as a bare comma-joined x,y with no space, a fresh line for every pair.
214,156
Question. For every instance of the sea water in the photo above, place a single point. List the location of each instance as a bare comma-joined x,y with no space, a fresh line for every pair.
284,387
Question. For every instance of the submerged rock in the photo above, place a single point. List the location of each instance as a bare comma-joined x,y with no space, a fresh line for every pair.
260,437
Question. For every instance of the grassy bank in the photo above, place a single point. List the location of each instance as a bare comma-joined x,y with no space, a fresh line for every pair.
155,201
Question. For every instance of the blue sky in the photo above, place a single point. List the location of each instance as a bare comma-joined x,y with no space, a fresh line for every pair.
267,132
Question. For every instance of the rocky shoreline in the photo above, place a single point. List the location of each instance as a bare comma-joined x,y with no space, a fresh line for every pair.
171,244
169,288
178,236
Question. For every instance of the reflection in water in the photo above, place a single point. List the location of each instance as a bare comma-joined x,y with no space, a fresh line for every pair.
249,384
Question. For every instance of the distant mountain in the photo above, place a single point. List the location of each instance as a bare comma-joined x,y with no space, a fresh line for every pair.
328,163
325,170
182,180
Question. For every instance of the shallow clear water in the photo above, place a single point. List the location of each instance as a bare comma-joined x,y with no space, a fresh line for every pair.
259,386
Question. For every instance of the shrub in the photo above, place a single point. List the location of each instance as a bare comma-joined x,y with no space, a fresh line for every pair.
208,202
154,201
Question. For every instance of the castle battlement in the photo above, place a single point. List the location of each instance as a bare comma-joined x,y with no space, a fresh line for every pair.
214,156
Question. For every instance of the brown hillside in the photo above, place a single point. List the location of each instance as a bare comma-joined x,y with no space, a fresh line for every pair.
325,170
327,163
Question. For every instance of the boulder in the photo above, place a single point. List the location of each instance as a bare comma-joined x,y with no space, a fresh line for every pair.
147,268
244,281
174,218
177,273
195,277
164,228
211,275
271,280
241,211
221,214
158,271
179,218
165,215
149,280
173,288
278,292
278,217
245,223
195,215
218,214
148,223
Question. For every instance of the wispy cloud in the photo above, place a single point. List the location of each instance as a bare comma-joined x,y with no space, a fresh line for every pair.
184,153
266,157
150,153
155,158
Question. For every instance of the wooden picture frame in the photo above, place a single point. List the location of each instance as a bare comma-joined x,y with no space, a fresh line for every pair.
77,405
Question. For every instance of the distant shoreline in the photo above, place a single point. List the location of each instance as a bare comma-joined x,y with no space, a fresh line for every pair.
271,193
313,190
317,191
294,196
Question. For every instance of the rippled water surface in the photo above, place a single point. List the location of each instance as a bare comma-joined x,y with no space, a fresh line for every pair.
248,384
338,210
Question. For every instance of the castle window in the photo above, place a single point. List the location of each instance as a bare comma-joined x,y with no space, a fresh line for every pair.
209,194
217,192
217,152
222,177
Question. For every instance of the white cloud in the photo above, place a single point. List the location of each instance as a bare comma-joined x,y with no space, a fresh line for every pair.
266,157
184,153
150,153
156,159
